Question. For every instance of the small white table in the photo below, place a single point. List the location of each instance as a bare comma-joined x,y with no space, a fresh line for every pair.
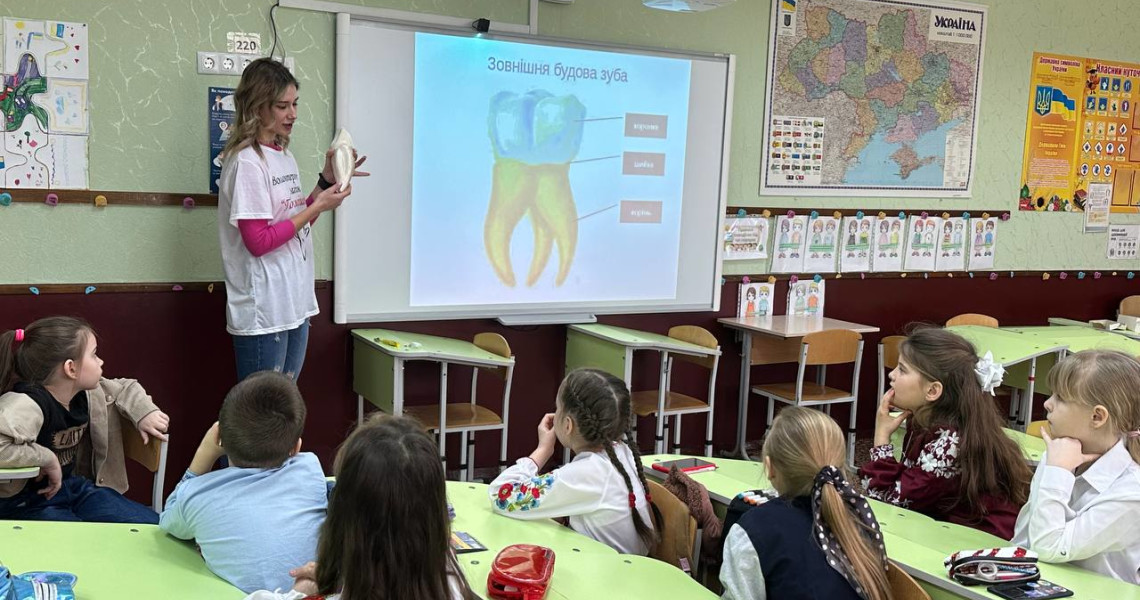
778,341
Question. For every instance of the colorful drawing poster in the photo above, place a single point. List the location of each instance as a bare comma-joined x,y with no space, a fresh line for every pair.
43,104
756,300
983,242
855,256
745,238
220,111
805,298
822,246
889,242
1066,151
791,240
952,245
922,243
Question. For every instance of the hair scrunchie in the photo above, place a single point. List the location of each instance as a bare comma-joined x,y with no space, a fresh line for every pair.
19,335
825,537
989,373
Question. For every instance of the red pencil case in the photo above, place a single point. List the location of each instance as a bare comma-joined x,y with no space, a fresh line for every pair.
520,572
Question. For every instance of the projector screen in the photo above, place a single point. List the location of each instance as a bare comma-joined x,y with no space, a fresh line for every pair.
516,177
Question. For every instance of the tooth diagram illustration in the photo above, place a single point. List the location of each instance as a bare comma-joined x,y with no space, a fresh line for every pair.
534,136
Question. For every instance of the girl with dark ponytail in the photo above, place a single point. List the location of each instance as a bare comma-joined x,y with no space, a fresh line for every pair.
603,489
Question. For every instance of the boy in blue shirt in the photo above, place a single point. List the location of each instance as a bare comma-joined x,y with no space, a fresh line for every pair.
259,517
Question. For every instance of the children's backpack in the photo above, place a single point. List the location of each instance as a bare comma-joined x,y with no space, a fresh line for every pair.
36,585
520,572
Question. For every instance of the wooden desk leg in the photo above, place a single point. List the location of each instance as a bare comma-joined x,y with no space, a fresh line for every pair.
742,408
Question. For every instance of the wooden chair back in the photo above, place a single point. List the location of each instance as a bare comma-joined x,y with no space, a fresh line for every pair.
147,455
495,344
1130,306
832,347
698,336
890,345
973,319
677,531
903,586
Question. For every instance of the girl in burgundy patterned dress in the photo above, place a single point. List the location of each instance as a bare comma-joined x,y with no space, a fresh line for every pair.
956,464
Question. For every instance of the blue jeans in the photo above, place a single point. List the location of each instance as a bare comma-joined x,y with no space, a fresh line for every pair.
283,351
78,499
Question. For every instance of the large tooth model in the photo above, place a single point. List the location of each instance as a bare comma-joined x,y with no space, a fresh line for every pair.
344,163
534,137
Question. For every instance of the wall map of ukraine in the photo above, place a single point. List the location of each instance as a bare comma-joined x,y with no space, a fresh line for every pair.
889,94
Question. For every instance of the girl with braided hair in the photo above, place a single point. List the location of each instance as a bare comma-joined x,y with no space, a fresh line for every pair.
602,490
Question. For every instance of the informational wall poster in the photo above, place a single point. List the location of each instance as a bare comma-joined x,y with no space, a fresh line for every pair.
1081,131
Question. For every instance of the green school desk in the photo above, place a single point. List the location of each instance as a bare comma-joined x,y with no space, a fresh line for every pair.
1076,339
774,340
7,475
915,541
112,561
611,349
1062,322
583,569
378,367
1018,354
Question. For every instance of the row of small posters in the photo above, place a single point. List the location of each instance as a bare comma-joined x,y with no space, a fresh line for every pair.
803,244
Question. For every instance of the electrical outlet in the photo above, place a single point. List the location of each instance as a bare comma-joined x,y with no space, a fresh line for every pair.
229,64
245,60
208,63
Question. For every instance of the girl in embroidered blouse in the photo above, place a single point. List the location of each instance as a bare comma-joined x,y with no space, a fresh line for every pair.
1084,504
819,537
602,490
956,465
387,534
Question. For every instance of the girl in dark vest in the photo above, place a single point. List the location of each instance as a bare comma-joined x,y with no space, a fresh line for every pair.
818,539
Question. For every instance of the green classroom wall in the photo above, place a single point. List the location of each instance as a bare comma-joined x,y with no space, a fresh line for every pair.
148,122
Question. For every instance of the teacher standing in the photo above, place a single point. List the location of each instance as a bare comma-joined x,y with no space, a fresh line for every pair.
265,225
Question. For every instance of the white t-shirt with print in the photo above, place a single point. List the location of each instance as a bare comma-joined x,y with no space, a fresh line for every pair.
273,292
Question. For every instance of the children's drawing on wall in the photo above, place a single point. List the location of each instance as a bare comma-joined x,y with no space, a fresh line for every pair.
745,238
822,246
791,241
983,238
755,300
805,298
855,256
922,235
951,245
888,244
43,104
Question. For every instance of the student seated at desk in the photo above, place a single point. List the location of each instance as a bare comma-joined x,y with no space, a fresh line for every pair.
58,413
819,539
957,465
1084,505
259,517
388,534
602,490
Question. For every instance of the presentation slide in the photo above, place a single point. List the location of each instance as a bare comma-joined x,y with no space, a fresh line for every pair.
544,173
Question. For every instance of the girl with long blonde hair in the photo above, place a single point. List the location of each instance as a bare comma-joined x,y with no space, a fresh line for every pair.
818,539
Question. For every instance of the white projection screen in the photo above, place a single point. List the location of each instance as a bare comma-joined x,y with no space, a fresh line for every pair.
517,177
